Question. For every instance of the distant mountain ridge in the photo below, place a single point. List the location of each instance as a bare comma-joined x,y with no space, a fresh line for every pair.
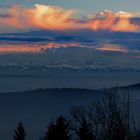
60,91
55,91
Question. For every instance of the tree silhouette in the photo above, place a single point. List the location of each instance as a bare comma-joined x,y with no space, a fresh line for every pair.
59,130
114,115
108,118
85,131
20,132
84,128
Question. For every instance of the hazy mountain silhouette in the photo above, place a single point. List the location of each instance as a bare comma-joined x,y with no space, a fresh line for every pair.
41,105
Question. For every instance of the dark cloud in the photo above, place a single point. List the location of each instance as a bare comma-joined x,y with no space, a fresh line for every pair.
5,16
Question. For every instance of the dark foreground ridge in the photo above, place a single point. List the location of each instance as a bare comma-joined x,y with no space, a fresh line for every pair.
36,108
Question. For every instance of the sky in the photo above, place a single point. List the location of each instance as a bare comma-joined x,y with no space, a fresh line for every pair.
68,15
94,15
83,5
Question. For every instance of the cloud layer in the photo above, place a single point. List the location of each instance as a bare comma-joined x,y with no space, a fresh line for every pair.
120,21
57,18
32,48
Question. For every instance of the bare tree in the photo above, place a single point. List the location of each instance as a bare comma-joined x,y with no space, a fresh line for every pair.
109,118
82,124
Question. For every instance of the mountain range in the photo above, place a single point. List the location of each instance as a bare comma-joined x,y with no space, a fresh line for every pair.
37,107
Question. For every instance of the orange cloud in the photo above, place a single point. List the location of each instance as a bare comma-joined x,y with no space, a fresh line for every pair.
107,20
103,20
34,48
14,17
113,48
124,24
49,17
57,18
40,16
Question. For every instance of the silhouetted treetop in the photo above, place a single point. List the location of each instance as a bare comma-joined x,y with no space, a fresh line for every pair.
59,130
20,132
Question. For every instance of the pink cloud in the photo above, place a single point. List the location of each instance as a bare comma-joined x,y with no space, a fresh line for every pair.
107,20
57,18
33,48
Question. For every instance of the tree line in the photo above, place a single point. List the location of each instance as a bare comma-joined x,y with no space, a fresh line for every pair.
108,118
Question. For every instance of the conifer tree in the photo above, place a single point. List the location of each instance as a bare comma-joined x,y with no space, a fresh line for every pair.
20,132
